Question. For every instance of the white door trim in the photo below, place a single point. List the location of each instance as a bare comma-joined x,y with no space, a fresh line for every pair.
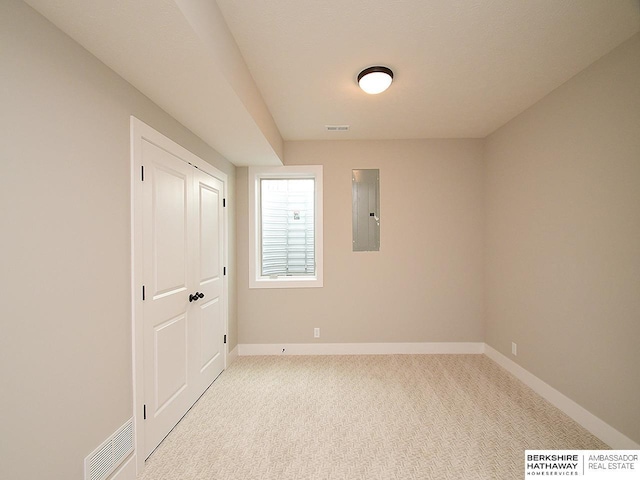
139,131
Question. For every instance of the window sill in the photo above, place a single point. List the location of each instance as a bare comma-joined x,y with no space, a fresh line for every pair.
286,282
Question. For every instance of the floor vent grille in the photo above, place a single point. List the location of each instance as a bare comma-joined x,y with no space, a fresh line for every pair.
108,456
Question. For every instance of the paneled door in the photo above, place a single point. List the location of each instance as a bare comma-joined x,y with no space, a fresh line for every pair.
183,310
209,271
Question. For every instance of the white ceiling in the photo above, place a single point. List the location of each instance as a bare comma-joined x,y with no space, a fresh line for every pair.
283,69
180,54
462,68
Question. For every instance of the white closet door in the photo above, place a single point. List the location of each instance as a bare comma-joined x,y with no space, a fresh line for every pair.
183,277
209,248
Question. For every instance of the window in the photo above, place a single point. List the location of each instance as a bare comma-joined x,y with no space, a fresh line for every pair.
288,227
285,229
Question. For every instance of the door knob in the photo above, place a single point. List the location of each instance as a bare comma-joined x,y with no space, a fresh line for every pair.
195,296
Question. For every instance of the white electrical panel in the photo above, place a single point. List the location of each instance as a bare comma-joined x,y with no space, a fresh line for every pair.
365,194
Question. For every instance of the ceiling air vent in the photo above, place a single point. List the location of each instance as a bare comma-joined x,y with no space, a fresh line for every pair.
336,128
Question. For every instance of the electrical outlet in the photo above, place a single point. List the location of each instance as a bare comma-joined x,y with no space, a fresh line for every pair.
514,349
316,332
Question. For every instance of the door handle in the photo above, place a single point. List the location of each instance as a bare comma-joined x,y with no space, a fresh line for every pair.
195,297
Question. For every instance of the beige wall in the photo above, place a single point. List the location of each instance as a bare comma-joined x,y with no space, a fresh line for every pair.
425,283
563,238
65,340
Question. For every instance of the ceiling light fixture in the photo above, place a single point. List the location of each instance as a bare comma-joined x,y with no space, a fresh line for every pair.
374,80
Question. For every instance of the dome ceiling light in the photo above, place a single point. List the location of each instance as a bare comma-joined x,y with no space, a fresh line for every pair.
374,80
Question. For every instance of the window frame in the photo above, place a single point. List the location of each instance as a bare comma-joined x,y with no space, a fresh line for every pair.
256,174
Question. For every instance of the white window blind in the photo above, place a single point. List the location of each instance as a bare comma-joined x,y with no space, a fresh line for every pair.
287,227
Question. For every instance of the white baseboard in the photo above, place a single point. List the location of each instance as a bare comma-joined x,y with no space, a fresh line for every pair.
599,428
232,355
247,349
126,471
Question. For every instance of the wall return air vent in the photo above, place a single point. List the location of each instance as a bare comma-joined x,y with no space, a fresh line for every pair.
336,128
107,457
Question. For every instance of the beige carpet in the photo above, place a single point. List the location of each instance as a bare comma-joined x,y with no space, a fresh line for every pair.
364,417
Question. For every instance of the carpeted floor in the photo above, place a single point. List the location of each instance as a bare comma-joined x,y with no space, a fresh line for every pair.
363,417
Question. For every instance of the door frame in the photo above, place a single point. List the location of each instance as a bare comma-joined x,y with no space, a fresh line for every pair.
140,131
